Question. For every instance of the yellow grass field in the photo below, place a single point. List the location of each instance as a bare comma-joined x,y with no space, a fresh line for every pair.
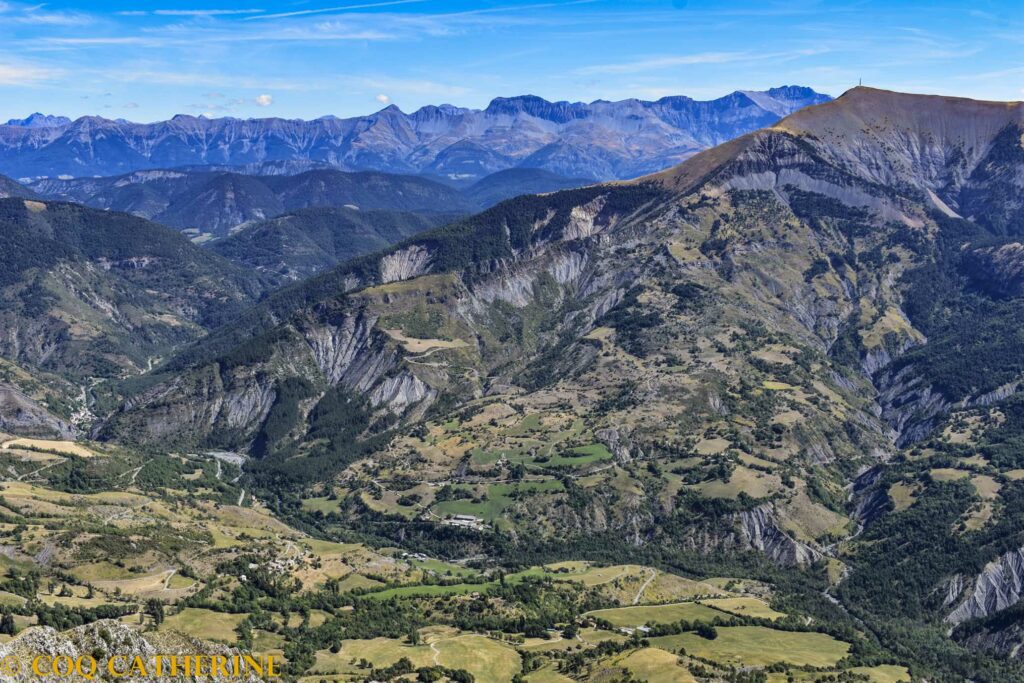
205,624
62,447
759,646
744,607
657,614
654,666
489,661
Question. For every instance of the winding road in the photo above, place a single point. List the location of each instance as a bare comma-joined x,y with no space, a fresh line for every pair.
640,593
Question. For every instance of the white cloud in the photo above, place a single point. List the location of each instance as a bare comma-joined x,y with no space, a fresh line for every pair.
383,99
264,100
26,74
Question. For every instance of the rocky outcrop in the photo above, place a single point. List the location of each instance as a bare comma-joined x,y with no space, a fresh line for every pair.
913,407
404,264
1000,270
618,443
870,501
761,532
103,640
998,586
346,351
909,404
1006,642
398,393
20,415
582,221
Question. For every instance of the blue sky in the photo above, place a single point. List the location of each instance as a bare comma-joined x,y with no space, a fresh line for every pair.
308,58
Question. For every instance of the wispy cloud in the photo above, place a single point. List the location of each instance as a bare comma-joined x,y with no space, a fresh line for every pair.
203,12
408,86
100,41
14,73
39,15
671,61
334,10
662,63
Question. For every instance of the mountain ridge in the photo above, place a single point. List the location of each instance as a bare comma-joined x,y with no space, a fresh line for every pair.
514,129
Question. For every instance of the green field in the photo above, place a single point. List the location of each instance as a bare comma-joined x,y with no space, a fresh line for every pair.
582,455
657,614
499,498
205,624
759,646
488,660
357,581
102,571
323,504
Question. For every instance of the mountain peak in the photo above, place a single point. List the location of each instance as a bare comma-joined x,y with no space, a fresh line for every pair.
538,107
38,120
947,117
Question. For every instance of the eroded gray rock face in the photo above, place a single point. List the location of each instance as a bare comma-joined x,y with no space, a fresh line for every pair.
1008,642
761,532
397,393
998,586
404,264
20,415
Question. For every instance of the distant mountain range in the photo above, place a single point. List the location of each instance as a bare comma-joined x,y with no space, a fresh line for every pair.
302,243
212,203
602,140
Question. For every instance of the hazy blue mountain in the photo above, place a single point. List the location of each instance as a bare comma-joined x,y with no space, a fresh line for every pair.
38,120
299,244
12,188
513,182
602,140
212,203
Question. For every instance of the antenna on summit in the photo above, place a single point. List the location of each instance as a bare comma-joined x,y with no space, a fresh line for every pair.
860,82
